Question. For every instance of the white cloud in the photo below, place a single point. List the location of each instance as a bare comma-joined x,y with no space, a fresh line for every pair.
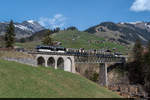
140,5
58,20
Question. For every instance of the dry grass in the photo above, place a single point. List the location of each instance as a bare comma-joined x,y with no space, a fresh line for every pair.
14,54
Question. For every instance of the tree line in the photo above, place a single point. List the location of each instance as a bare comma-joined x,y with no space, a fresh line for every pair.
139,68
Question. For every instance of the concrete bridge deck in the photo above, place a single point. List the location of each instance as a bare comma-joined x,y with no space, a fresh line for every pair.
87,58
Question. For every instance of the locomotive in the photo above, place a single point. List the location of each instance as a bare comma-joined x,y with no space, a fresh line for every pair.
50,49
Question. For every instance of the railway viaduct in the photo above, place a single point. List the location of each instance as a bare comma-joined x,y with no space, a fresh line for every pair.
64,62
67,62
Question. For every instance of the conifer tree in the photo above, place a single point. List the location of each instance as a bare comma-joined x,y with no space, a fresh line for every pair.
137,51
57,29
147,68
47,40
10,35
137,67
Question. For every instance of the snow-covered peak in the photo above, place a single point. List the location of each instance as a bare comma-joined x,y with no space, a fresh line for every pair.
31,21
134,23
32,25
121,23
137,22
147,25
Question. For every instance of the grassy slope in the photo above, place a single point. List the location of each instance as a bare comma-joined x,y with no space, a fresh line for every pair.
18,80
81,40
29,45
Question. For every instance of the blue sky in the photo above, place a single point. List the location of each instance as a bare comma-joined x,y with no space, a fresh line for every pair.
79,13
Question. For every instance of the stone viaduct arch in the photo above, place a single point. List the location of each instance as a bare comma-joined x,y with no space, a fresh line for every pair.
65,63
51,62
41,61
60,63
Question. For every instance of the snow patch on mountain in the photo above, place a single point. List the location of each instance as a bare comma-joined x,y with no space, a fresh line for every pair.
31,21
134,23
142,37
137,22
121,23
147,25
23,27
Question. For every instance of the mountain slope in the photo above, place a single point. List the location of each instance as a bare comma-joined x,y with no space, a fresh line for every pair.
33,25
38,35
24,29
125,33
22,81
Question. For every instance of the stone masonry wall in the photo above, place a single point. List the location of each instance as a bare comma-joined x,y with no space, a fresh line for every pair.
27,61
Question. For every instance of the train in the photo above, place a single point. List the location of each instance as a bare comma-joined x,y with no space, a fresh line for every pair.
81,51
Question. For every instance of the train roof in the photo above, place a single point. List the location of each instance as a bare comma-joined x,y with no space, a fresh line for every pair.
50,46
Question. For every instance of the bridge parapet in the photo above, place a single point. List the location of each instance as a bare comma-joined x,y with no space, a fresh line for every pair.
88,58
93,59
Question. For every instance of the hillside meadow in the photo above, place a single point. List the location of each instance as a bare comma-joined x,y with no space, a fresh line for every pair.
23,81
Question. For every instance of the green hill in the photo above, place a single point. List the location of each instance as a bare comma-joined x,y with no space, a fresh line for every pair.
22,81
78,39
75,39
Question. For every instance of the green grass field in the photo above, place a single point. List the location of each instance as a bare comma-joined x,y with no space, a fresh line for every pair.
76,39
28,45
22,81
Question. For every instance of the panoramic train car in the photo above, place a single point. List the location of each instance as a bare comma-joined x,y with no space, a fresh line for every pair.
117,54
50,49
61,49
